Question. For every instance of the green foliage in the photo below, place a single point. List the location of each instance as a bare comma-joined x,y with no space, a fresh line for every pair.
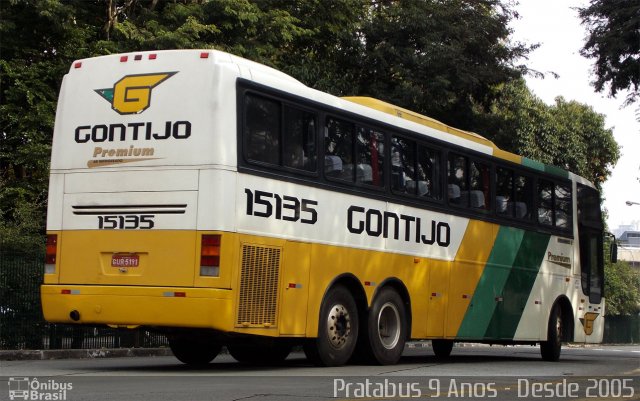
622,289
567,134
614,43
451,60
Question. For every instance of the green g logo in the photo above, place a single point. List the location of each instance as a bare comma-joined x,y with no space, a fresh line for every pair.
132,94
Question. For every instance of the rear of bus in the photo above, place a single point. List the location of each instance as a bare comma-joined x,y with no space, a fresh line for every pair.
141,192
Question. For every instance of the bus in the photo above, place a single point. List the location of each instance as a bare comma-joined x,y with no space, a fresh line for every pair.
226,204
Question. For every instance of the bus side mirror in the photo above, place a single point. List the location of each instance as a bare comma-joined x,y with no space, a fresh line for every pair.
614,248
614,252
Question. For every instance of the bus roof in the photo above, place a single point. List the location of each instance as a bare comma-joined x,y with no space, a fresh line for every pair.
400,112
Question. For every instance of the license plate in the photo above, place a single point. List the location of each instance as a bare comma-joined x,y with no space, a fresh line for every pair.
125,260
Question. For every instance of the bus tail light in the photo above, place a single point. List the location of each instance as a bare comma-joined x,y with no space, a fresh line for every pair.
51,254
210,256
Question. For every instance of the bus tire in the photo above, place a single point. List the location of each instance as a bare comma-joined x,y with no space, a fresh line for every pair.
550,349
194,352
337,330
442,348
260,354
386,331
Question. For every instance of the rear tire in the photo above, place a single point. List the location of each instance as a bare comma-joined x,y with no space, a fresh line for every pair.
382,340
550,349
194,352
337,330
261,354
442,348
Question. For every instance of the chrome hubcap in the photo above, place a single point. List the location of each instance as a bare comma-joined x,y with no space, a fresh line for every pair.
338,326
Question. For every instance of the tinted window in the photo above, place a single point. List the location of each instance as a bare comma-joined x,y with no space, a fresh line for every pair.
300,139
545,202
429,173
479,194
403,159
338,148
523,205
563,207
370,157
589,206
458,190
504,192
262,124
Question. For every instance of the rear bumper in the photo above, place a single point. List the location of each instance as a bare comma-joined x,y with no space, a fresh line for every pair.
144,306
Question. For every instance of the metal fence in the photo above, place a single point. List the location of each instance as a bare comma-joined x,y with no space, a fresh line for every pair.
22,325
622,329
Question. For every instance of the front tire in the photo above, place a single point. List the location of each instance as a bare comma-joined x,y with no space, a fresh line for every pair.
550,349
337,330
442,348
194,352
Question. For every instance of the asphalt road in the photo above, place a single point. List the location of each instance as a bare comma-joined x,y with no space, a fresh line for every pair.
472,373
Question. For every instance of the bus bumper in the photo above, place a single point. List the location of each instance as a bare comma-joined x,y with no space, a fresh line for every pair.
139,306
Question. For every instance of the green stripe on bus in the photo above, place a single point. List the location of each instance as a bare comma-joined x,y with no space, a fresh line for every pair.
495,275
546,168
517,289
532,164
556,171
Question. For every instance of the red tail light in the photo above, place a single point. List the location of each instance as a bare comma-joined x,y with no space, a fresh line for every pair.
210,255
51,254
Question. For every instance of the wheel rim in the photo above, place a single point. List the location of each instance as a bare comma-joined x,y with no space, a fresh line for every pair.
338,325
559,328
389,325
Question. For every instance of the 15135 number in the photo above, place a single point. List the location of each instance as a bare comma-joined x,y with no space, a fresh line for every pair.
126,222
282,207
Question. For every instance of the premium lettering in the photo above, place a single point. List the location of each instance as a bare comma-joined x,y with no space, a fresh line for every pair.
123,152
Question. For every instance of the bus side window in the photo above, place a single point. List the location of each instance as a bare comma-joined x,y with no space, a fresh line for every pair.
504,192
458,190
524,191
545,202
403,160
429,173
300,139
338,149
262,129
370,157
563,206
479,174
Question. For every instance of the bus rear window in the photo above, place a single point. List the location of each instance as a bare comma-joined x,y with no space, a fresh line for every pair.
262,125
270,140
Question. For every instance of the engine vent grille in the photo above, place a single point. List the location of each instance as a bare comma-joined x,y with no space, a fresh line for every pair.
257,305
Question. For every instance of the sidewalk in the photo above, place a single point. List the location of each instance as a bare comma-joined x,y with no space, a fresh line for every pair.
18,355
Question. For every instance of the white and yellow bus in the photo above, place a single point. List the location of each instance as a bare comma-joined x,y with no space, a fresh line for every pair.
224,203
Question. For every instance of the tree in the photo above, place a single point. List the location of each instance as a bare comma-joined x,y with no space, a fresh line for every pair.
621,289
567,134
614,43
438,58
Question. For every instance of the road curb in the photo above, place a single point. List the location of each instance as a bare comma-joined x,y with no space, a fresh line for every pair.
20,355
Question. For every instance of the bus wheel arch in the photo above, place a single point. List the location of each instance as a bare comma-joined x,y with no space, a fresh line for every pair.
338,324
560,328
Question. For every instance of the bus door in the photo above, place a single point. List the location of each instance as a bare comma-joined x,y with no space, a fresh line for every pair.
591,242
590,234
